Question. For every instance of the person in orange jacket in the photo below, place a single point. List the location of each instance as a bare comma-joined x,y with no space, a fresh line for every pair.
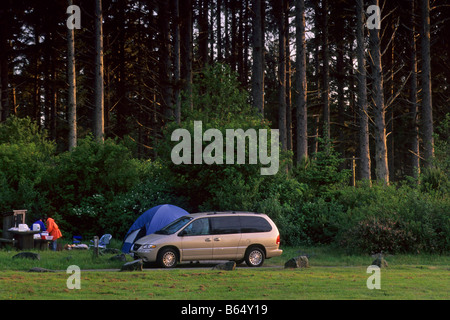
53,230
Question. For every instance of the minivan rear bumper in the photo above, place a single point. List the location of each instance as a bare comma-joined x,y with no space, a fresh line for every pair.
273,252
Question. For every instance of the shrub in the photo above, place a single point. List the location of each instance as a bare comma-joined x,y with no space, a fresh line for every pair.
375,235
155,188
82,182
25,158
323,220
321,172
394,218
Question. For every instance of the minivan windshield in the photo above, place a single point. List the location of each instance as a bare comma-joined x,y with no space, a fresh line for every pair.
175,226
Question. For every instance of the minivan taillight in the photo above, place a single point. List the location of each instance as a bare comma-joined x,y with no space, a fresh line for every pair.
278,239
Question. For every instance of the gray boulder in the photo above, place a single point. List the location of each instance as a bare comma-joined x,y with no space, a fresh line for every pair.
229,266
297,262
27,255
380,262
136,265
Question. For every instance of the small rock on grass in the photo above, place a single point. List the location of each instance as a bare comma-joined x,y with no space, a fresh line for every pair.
297,262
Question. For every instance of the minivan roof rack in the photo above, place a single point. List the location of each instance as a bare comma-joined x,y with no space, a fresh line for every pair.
233,212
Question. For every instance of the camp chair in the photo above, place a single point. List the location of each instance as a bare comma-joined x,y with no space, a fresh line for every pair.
76,239
104,241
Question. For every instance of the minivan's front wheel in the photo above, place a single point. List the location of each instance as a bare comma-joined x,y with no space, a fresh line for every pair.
167,258
254,257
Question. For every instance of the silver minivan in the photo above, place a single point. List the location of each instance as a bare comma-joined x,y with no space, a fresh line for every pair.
236,236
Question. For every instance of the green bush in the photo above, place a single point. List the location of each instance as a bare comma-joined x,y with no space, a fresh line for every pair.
82,182
26,155
395,219
376,235
321,172
155,188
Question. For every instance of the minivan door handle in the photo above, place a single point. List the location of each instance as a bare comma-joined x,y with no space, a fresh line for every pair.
217,239
208,240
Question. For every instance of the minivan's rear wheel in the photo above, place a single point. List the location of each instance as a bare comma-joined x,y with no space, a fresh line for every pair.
254,257
167,258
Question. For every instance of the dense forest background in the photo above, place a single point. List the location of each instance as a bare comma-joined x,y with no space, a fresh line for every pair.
86,114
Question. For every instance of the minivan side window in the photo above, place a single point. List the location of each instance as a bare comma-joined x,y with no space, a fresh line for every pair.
254,224
225,225
197,227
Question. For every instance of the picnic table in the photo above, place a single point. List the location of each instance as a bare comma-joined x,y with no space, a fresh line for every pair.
25,240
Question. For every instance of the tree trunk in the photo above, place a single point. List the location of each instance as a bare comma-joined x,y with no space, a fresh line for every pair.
427,111
326,71
186,49
364,152
203,31
288,78
164,59
176,59
219,30
99,125
258,58
382,169
301,106
415,158
281,74
4,52
122,108
72,94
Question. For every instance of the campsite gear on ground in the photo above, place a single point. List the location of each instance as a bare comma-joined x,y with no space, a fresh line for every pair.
103,242
76,239
151,221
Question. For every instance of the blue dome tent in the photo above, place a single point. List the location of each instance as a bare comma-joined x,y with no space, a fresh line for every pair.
151,221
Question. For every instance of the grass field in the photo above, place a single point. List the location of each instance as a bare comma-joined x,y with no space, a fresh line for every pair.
332,275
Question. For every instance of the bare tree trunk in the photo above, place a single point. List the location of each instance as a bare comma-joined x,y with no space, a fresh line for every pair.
4,95
72,94
99,124
302,111
203,31
326,71
282,75
258,57
415,158
164,59
364,152
288,79
219,30
427,111
186,49
382,169
176,59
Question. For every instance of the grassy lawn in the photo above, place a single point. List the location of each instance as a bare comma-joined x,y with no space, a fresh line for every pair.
332,275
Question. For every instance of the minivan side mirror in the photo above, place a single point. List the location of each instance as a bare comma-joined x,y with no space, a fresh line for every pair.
182,233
